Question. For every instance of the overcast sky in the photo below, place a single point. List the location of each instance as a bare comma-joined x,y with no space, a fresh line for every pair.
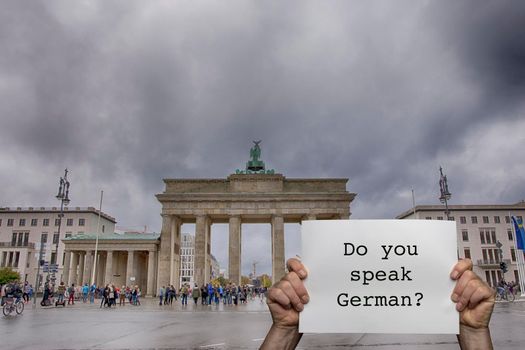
126,93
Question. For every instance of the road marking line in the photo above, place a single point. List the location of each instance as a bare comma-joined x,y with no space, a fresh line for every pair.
257,339
211,345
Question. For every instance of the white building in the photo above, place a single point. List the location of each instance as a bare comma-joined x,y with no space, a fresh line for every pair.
479,229
187,258
24,231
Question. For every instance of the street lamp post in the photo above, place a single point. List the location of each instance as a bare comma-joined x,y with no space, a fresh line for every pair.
445,194
63,197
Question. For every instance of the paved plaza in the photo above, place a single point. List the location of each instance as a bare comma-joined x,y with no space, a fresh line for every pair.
150,326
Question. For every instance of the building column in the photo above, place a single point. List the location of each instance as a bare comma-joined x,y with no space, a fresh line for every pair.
163,269
108,276
73,270
65,268
201,263
151,274
130,269
88,264
278,263
175,228
81,257
234,254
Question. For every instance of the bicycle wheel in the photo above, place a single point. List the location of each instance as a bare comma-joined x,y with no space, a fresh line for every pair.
6,309
498,296
510,296
19,307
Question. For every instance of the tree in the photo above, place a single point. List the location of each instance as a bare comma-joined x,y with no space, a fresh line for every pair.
7,275
245,280
219,281
266,281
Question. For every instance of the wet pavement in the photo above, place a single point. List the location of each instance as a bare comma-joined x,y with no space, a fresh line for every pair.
150,326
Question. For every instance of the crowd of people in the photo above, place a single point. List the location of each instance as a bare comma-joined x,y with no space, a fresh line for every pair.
209,294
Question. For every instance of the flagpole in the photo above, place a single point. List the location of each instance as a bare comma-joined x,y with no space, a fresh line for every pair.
96,240
519,257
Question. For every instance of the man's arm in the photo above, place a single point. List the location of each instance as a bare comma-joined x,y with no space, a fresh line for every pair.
285,300
474,301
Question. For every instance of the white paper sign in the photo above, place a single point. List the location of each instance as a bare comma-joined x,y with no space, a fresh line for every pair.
379,276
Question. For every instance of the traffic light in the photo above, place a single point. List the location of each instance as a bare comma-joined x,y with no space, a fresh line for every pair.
503,266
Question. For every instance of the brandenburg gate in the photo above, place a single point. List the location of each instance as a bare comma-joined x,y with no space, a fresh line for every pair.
254,195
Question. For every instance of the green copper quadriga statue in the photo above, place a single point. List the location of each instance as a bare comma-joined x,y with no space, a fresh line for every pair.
255,165
255,153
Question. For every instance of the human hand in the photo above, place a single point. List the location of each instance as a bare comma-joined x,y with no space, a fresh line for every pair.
287,297
474,298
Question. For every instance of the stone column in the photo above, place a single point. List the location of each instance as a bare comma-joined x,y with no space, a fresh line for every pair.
108,276
81,257
163,270
201,263
151,274
234,255
278,263
207,272
175,225
88,265
73,270
130,269
65,267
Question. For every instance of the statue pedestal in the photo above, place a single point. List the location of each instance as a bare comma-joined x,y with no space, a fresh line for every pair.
255,165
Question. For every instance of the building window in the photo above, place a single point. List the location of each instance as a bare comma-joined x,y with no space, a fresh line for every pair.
462,219
10,222
17,258
509,233
493,234
20,241
440,218
55,238
482,237
22,222
81,222
0,222
512,254
43,238
68,234
69,222
46,222
485,219
13,239
452,218
507,219
57,222
53,258
428,218
474,219
496,220
34,222
465,235
103,228
467,253
26,239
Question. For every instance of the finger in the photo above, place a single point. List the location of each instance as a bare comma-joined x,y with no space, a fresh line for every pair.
484,292
276,295
462,283
288,289
298,286
295,265
460,268
465,296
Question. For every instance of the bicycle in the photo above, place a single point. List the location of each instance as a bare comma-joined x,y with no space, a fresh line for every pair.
504,294
11,305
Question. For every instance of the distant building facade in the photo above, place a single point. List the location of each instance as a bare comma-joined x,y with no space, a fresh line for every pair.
187,258
27,233
479,229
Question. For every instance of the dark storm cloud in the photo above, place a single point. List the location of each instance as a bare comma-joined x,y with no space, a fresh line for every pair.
128,93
